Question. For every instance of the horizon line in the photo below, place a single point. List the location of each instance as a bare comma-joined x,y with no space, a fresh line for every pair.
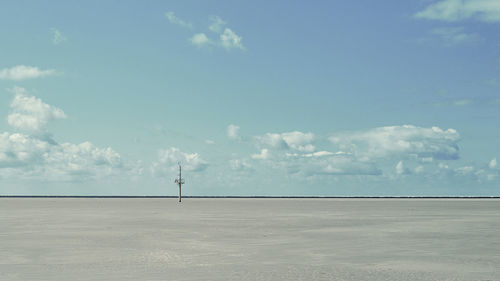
249,197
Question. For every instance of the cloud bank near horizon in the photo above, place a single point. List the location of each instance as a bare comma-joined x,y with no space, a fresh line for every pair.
32,153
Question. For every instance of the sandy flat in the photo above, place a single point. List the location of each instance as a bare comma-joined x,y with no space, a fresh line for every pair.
249,239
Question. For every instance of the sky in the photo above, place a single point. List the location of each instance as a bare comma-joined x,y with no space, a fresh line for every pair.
273,98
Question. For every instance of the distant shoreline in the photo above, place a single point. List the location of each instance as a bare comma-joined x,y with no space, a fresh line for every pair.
253,197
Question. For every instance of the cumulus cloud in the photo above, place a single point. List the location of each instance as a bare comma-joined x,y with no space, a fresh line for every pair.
272,139
28,155
227,37
456,10
401,169
301,157
168,159
233,132
292,140
239,165
389,153
30,114
200,39
216,24
230,40
493,163
458,173
264,154
348,165
172,18
401,141
23,72
331,164
57,36
466,170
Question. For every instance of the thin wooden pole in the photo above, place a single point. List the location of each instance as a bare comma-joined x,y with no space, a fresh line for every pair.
180,183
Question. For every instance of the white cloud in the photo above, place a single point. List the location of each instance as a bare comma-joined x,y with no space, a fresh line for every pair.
467,170
57,37
493,163
20,150
239,165
321,163
345,165
299,141
172,18
419,169
209,142
31,156
200,40
332,164
454,35
264,154
233,132
316,154
443,166
227,38
292,140
230,40
274,140
217,24
30,114
303,159
401,141
319,154
401,169
418,153
405,152
427,159
456,10
23,72
168,159
460,174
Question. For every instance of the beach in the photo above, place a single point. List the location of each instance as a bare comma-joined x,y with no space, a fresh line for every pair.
249,239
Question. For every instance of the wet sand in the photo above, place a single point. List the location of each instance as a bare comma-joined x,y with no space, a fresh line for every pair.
249,239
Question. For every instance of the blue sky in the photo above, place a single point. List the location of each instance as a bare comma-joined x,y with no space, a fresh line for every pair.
253,97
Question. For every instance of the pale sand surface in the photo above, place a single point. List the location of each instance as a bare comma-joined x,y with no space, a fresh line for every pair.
249,239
